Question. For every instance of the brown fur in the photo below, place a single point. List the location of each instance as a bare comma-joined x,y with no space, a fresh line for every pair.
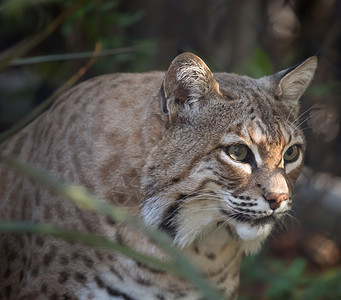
155,143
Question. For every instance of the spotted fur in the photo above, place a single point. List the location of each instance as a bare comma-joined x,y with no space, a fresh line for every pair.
158,144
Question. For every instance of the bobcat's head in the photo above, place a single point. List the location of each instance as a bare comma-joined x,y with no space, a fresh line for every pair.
230,153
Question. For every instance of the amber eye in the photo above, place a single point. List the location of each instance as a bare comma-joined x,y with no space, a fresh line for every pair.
291,154
238,152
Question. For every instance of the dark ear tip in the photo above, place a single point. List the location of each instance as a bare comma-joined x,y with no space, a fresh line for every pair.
318,55
180,51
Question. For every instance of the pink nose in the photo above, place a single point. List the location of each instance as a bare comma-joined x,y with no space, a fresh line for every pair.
275,199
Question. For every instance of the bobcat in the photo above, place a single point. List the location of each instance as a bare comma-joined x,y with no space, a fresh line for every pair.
210,159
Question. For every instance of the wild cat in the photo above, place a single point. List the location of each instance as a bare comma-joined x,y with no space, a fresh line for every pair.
210,159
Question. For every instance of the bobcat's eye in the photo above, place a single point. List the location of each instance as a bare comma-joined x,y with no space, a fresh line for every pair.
291,154
238,152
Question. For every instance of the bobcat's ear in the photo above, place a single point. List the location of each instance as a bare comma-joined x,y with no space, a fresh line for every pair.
187,81
294,81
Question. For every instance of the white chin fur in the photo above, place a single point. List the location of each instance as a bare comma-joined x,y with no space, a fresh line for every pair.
252,236
248,233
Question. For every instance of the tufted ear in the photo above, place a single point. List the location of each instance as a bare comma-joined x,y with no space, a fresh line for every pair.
294,81
187,82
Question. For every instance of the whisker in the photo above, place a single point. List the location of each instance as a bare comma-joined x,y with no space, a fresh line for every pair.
303,113
287,119
305,120
292,217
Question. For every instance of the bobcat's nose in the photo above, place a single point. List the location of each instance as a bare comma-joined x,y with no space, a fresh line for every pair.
275,199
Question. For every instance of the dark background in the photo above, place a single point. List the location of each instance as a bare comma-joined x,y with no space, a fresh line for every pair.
256,38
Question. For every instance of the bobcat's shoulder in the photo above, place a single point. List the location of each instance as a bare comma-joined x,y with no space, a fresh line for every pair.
210,159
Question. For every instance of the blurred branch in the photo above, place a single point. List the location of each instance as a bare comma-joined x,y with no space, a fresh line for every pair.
87,239
26,45
73,56
82,198
43,106
15,7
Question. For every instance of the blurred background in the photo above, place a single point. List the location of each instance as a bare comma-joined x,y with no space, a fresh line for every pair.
44,43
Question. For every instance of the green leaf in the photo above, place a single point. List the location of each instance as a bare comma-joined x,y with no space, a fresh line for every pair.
297,268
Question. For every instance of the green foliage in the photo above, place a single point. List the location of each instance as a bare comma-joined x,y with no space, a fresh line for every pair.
15,8
324,89
260,64
92,21
25,46
324,286
282,285
67,31
279,281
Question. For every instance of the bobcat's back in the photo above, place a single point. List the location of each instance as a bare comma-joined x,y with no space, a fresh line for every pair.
209,159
